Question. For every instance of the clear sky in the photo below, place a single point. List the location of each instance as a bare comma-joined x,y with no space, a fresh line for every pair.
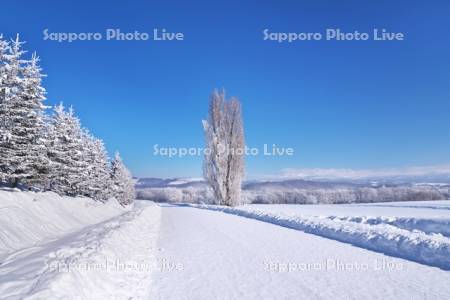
339,104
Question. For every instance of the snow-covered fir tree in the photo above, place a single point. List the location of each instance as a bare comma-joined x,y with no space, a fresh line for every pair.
68,166
22,155
122,180
10,85
97,184
4,46
33,94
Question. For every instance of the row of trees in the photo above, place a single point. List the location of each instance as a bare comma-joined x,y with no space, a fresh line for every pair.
342,195
50,152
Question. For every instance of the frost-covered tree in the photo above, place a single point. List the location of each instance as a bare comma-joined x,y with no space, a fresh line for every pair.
68,166
33,94
4,46
97,183
11,83
223,165
22,154
123,184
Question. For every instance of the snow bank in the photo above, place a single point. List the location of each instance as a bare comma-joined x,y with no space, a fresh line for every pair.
27,218
109,260
430,226
431,249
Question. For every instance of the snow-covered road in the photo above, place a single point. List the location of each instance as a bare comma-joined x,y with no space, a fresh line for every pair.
212,255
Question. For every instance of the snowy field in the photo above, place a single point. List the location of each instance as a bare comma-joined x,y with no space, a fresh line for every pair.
54,247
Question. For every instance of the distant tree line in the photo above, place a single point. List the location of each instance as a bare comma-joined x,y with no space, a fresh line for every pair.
289,195
50,151
344,195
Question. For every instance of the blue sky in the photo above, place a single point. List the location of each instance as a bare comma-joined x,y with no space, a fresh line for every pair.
339,104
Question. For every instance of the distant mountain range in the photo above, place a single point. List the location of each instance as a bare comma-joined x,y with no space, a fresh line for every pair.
142,183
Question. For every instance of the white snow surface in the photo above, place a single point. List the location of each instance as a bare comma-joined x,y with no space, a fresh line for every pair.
422,236
225,256
56,247
81,249
27,218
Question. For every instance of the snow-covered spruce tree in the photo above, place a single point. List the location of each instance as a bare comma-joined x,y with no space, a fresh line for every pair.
4,132
123,183
68,166
22,155
97,184
33,94
11,63
223,166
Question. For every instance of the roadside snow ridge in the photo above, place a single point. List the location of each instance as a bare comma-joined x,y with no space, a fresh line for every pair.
431,249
